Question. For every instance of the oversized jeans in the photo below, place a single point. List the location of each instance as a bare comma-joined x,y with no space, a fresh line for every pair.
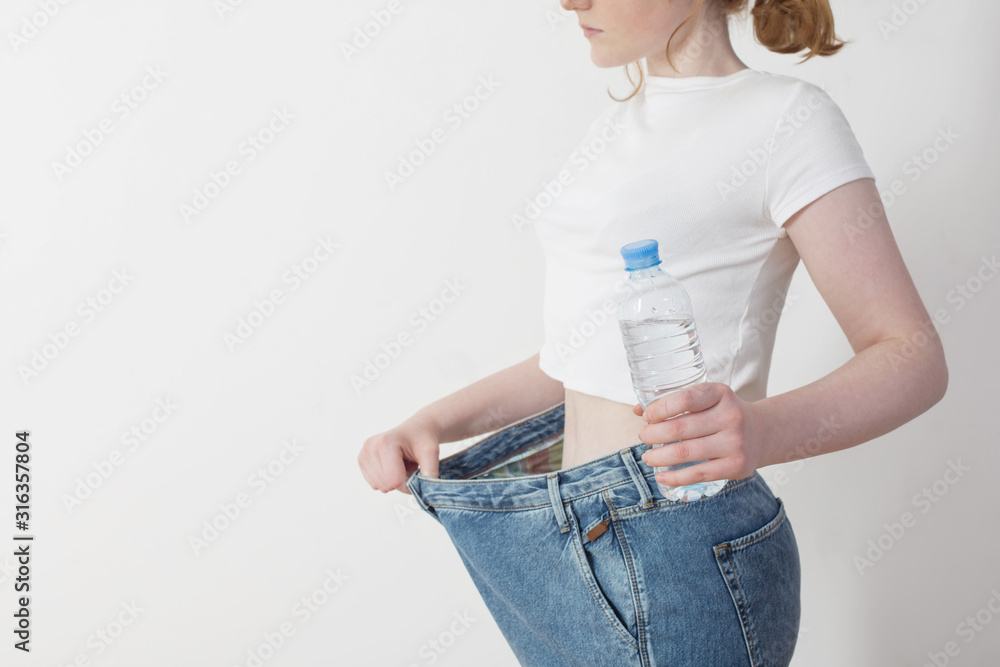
592,566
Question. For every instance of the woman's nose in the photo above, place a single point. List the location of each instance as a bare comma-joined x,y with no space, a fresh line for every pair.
570,5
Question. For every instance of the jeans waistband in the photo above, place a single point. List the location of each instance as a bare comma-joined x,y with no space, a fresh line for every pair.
455,487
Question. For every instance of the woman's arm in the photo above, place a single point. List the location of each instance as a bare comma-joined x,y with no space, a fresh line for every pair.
388,459
897,373
495,401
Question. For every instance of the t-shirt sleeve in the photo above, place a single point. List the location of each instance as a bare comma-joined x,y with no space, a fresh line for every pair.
813,151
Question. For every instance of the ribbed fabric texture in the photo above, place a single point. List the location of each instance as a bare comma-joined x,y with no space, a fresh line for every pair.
710,167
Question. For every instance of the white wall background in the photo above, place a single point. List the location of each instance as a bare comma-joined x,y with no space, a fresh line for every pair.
161,337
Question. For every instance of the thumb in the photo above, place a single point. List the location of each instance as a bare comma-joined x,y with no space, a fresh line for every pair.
427,454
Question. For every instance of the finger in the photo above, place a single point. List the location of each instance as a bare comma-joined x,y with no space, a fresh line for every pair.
410,467
392,471
370,466
695,398
637,409
671,454
427,459
682,427
703,472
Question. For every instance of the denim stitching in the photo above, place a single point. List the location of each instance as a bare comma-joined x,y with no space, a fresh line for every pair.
492,509
725,551
625,512
630,567
525,507
776,523
636,509
506,428
738,599
615,623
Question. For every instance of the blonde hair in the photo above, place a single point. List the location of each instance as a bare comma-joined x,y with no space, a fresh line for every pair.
782,26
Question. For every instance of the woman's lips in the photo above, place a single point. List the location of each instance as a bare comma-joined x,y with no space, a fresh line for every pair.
590,32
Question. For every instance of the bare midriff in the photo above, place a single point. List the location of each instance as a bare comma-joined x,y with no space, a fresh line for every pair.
596,427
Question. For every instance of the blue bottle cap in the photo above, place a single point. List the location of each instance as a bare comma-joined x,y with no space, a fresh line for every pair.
641,254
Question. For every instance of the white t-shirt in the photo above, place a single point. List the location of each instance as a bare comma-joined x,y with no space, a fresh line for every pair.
710,167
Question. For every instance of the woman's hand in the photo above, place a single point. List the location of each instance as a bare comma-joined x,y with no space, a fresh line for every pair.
388,459
719,426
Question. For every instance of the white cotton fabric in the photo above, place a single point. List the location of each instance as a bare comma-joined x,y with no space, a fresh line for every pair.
712,168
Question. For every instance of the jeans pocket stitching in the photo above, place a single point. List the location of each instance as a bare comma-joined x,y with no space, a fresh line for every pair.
727,568
633,580
591,581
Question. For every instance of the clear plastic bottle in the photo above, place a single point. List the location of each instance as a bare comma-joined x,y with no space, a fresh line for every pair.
661,343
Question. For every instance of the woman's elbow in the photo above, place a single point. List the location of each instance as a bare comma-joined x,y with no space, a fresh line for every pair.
937,373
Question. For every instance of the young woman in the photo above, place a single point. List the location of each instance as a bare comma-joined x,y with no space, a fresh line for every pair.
738,174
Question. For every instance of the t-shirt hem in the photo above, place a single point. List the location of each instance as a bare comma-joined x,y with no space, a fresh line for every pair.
543,365
599,390
819,189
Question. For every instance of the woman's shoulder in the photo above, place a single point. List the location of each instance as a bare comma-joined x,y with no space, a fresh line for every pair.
790,89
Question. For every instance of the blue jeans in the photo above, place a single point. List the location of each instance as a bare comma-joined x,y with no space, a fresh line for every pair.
591,566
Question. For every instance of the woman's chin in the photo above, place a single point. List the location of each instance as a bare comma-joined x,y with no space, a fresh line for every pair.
604,60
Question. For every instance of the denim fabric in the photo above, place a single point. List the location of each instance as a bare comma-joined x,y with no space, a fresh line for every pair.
592,566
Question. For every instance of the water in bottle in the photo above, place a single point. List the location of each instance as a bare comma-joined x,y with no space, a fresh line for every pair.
661,343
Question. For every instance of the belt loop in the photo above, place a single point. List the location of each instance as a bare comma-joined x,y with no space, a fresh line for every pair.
557,502
413,484
640,481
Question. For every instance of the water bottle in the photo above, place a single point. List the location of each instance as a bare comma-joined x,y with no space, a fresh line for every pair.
661,343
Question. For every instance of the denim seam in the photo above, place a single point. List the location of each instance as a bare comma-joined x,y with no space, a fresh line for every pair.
722,553
492,509
508,427
527,507
584,570
668,503
558,505
645,494
633,581
776,523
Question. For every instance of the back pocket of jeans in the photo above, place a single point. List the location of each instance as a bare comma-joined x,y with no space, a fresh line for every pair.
762,572
606,572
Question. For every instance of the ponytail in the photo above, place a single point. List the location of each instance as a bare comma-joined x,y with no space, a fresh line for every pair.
782,26
791,26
